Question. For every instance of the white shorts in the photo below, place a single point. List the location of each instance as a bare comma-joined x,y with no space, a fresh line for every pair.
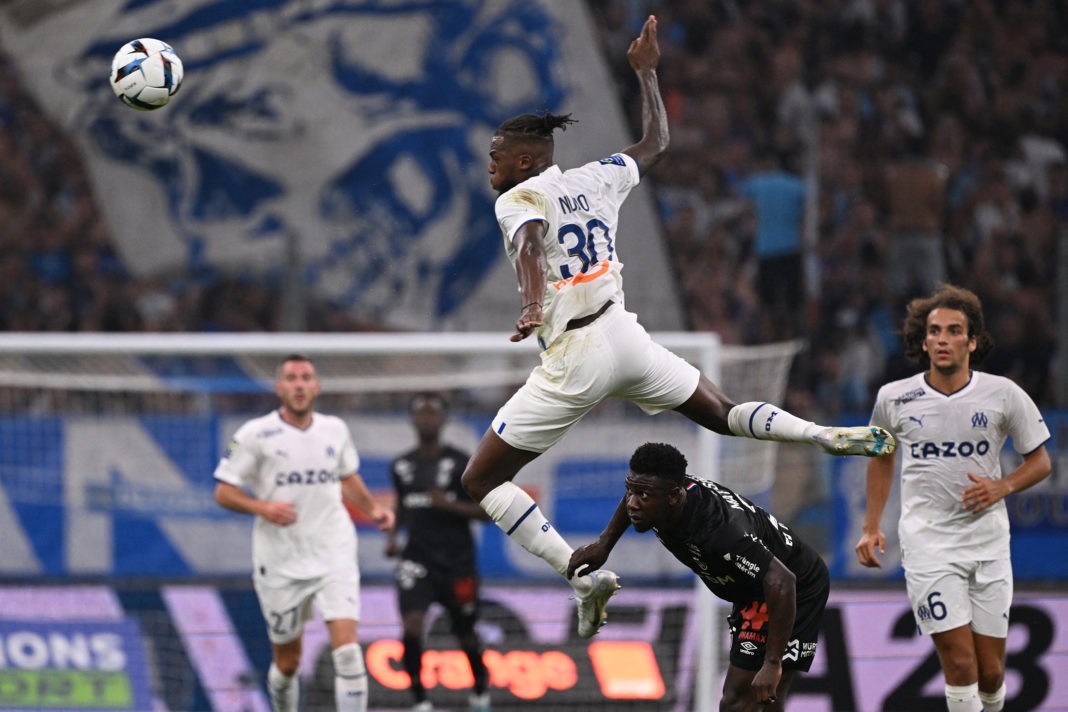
287,608
977,593
613,356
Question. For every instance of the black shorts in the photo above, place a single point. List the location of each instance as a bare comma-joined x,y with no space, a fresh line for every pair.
749,633
418,586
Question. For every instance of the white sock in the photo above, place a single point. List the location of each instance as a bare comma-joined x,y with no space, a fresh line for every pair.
350,678
284,691
764,421
993,701
963,698
521,519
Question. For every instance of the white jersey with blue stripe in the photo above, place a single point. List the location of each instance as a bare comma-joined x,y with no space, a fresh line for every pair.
941,438
580,208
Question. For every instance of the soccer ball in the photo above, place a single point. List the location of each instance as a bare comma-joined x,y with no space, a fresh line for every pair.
146,73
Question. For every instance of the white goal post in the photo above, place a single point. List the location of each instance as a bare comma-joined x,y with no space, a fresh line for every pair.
98,383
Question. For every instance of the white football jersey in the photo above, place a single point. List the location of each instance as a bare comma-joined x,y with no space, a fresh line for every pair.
581,209
277,462
941,438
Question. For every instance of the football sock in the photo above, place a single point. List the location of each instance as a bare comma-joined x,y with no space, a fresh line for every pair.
478,669
993,701
764,421
963,698
283,690
350,678
515,512
413,665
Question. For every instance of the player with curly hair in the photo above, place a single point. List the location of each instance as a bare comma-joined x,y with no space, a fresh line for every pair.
952,423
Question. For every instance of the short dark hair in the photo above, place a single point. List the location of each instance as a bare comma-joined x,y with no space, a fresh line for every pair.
535,126
947,296
291,357
423,397
659,460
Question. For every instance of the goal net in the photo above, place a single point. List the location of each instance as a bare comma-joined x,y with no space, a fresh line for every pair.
107,448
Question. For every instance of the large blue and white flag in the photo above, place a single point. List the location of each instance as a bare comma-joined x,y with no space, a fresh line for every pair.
349,137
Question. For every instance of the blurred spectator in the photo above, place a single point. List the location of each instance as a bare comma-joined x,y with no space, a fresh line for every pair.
914,189
778,198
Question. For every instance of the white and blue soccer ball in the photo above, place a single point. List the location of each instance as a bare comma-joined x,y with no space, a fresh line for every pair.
146,73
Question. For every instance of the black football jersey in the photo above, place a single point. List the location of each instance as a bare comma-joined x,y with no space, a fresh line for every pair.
436,538
729,543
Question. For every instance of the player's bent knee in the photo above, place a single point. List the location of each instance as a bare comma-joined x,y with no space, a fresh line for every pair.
959,660
287,664
991,678
467,480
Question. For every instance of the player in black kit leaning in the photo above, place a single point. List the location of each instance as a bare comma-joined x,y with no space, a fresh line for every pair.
777,583
438,560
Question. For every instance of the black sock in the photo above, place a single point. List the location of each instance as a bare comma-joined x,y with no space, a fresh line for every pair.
413,665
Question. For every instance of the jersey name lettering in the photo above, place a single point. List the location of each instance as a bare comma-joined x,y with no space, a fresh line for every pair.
569,204
727,496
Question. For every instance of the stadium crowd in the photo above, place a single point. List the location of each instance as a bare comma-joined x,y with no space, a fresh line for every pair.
831,160
828,161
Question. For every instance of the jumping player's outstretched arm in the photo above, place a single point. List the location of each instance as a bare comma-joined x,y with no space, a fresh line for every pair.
644,55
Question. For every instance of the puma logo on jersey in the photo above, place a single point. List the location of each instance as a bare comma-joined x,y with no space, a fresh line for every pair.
918,421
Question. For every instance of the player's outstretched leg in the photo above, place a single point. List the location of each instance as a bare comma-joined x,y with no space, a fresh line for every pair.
592,606
866,440
765,421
